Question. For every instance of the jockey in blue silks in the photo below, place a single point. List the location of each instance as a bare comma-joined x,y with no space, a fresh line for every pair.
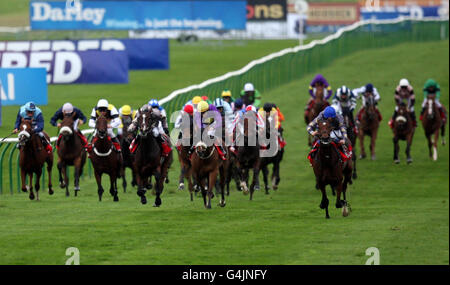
29,111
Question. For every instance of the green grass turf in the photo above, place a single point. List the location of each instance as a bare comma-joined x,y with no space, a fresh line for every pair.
401,209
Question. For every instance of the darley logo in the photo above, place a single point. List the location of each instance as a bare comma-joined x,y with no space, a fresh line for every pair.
42,11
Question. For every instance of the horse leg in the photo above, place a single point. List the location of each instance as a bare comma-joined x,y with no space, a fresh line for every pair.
65,177
190,185
222,172
49,161
408,149
113,187
23,178
77,167
98,178
255,182
443,133
141,188
211,183
361,144
339,202
30,185
159,184
265,172
396,150
429,145
124,180
61,181
182,175
203,189
324,203
276,175
435,140
372,144
37,185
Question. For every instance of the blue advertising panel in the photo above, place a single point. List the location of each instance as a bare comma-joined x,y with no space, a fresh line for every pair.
67,67
20,85
142,53
385,13
138,15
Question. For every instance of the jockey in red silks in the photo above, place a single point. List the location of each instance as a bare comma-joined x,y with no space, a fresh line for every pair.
68,110
318,83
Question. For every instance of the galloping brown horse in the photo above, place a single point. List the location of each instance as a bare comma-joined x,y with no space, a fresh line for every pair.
431,123
369,126
403,130
32,157
206,164
319,105
105,159
70,152
330,169
147,158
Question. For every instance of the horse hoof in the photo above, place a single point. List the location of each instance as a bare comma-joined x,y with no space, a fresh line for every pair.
116,199
24,190
143,200
345,211
397,161
362,156
67,194
222,204
62,185
327,217
157,202
50,192
409,161
181,186
167,180
374,157
355,175
31,196
149,186
338,205
275,187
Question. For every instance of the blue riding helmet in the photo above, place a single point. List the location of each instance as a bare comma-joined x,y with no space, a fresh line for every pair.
238,103
153,103
218,103
329,112
369,87
30,107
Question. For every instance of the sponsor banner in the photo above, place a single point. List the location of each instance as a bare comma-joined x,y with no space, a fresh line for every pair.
384,13
395,3
20,85
266,10
138,15
332,13
142,54
66,67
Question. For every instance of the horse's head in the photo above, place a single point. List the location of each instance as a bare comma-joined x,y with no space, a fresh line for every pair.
26,131
370,104
126,122
324,132
203,151
147,121
430,106
67,125
101,126
320,88
402,115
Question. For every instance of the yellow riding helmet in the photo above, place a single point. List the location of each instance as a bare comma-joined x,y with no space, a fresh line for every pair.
226,93
202,106
196,100
126,110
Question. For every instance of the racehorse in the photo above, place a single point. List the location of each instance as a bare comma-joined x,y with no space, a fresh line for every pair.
126,154
330,169
431,123
403,130
351,134
318,105
184,159
104,159
369,126
70,152
274,160
248,158
32,157
206,164
147,158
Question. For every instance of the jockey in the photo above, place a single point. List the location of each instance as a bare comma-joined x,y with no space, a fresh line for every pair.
112,115
210,125
126,115
431,88
188,109
238,122
270,110
339,132
225,109
67,110
250,96
157,131
155,105
238,106
226,96
344,98
367,90
318,83
404,91
29,111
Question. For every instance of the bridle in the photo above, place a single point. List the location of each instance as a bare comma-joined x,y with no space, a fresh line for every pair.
203,146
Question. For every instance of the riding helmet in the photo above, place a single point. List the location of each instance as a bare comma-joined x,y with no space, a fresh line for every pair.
369,87
238,103
154,103
268,107
188,109
329,112
218,103
102,103
202,106
249,87
30,107
226,93
126,110
196,100
404,82
67,108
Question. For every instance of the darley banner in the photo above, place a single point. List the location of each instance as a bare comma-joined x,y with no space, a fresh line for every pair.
137,15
